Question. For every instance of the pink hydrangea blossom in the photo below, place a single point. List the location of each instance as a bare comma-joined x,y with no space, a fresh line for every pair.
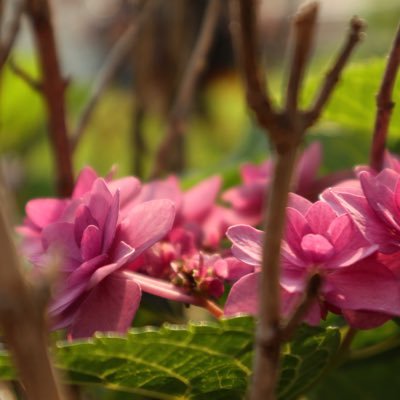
247,199
196,209
97,235
373,203
317,240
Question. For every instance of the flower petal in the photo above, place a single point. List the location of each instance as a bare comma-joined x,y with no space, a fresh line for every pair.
365,286
146,224
110,307
243,297
247,243
43,212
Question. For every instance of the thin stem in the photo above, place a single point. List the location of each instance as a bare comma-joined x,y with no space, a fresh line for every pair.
344,348
22,319
244,33
25,76
182,103
304,25
376,349
12,32
53,92
357,27
158,287
266,360
385,105
117,55
211,307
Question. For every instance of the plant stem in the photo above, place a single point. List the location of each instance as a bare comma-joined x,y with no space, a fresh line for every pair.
23,322
268,331
53,87
385,105
184,98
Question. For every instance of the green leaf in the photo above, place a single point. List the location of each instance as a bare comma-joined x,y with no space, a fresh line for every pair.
198,361
305,359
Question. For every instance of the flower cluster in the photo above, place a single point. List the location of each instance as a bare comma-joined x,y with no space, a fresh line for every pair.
117,238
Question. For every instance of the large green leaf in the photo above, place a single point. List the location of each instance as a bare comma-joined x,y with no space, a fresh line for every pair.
198,361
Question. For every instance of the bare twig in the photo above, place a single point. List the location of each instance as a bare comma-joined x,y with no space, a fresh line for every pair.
385,105
309,297
12,32
285,130
23,323
53,92
25,76
357,27
117,55
243,27
139,149
304,25
192,73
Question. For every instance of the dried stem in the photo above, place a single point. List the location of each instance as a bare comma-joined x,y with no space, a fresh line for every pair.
266,362
139,149
25,76
53,92
243,27
117,55
385,105
191,75
12,32
285,130
357,27
309,297
22,319
304,26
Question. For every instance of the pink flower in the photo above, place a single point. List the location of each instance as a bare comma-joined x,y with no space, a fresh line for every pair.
374,205
247,199
196,209
97,234
355,283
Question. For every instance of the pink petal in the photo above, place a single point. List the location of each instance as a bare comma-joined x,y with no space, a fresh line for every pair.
299,203
91,242
243,296
365,286
100,201
307,168
237,269
111,223
128,188
247,243
319,216
157,190
296,227
61,236
84,182
199,200
104,271
110,307
146,224
83,219
365,319
43,212
316,248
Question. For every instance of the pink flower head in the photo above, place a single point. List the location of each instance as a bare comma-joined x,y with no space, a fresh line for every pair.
247,199
355,284
374,204
196,208
96,235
